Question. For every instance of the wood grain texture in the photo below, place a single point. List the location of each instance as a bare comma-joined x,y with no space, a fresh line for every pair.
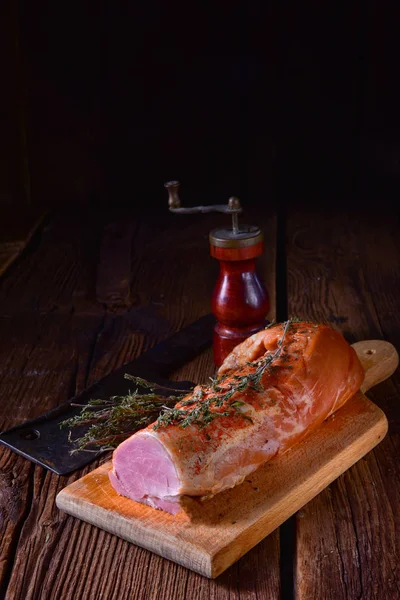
16,232
208,537
58,281
114,269
47,363
344,270
15,484
59,275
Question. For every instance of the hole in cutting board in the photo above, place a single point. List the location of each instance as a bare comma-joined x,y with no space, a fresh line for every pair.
369,351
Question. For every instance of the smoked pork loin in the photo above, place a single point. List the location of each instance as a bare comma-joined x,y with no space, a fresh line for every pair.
271,392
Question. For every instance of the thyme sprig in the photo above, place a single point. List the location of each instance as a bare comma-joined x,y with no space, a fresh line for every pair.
198,411
146,384
111,421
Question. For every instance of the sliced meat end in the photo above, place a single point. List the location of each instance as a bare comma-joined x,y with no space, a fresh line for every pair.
143,471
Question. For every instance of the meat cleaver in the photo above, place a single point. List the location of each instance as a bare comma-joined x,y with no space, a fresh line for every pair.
42,440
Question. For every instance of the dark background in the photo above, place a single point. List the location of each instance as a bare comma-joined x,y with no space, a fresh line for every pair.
273,102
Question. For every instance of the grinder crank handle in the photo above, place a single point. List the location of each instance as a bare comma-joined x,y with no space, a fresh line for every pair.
379,359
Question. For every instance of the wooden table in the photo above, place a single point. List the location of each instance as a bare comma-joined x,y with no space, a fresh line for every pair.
91,293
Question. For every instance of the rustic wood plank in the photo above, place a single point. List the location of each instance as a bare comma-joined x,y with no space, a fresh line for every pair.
17,229
43,356
341,270
15,489
60,275
172,280
47,363
114,268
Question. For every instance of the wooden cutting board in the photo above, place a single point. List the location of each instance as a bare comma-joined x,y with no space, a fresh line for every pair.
210,536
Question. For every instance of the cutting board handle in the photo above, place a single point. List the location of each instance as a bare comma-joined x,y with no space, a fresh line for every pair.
379,359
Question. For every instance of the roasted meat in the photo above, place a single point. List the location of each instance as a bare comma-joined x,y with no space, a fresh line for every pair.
271,392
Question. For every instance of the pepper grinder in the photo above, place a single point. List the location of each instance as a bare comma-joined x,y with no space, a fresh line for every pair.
240,301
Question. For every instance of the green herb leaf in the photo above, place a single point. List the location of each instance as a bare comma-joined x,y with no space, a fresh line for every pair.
111,421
